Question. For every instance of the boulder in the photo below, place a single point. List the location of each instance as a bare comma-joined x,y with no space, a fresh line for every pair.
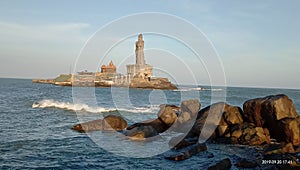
189,111
248,134
187,152
277,113
167,114
221,116
141,132
221,165
288,130
264,112
110,122
157,124
191,106
89,126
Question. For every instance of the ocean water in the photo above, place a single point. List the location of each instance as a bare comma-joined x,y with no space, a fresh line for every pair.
35,122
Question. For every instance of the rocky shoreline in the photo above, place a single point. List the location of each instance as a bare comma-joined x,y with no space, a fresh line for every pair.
155,83
270,124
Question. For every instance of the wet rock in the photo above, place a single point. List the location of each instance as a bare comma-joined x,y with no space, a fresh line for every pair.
167,114
181,141
141,132
244,163
187,152
110,122
221,165
157,124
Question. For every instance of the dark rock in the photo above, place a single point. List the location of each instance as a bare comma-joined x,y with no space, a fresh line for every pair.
110,122
224,164
277,113
288,130
248,134
244,163
157,124
187,152
167,114
232,115
180,142
221,115
141,132
269,109
189,110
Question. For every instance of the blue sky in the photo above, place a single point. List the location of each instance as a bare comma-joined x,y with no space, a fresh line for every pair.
257,41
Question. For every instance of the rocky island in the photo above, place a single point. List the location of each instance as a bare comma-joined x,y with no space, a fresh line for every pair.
139,75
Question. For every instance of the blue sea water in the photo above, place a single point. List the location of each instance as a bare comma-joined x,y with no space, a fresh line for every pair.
35,122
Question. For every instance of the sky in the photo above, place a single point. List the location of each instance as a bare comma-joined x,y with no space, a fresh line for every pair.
257,41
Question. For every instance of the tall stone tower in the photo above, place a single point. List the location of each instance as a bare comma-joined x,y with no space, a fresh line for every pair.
140,69
139,51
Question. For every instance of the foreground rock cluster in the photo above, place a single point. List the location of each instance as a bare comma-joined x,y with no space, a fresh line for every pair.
271,123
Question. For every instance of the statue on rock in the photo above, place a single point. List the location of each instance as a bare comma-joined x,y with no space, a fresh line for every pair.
139,50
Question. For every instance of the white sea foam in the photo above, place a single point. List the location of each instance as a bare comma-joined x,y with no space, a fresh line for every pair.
197,89
49,103
69,106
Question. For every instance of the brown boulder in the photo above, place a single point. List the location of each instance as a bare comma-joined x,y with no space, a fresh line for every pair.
189,111
288,130
110,122
89,126
267,110
221,116
167,114
277,113
141,132
157,124
248,134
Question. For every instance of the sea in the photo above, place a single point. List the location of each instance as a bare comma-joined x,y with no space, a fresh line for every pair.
36,121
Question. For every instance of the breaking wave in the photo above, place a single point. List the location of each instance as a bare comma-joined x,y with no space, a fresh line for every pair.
49,103
197,89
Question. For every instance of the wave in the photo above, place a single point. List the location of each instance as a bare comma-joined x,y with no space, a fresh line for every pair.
197,89
49,103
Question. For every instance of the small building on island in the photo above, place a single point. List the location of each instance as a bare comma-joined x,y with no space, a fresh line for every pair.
110,68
